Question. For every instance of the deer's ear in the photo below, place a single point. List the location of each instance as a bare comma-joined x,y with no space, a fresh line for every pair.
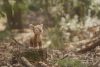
41,25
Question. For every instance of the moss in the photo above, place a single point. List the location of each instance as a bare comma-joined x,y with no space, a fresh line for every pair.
35,55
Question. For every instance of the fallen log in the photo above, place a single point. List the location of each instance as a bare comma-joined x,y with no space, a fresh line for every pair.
26,62
90,45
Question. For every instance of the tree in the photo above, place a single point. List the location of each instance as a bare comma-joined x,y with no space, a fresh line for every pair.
17,14
14,13
7,8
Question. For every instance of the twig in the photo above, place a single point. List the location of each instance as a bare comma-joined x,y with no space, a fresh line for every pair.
66,55
16,41
96,63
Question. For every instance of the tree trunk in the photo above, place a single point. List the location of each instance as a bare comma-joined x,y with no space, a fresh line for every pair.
8,10
17,16
14,16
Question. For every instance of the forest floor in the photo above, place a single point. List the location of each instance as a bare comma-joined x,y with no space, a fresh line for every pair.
90,58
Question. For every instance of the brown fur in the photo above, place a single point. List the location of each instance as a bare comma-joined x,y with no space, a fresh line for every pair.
37,39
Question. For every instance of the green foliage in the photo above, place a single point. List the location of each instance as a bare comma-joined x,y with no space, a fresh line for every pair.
4,34
2,14
98,14
21,5
67,62
34,7
55,35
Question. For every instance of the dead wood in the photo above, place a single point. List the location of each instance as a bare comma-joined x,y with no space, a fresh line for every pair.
90,45
26,62
16,41
96,63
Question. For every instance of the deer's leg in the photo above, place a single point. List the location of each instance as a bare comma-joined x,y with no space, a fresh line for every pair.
31,43
40,44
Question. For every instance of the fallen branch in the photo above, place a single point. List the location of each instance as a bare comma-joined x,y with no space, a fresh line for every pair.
16,41
66,55
90,45
26,62
96,63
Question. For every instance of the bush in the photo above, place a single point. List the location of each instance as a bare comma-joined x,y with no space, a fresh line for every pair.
55,35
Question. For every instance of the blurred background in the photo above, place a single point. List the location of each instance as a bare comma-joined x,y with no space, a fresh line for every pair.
65,21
